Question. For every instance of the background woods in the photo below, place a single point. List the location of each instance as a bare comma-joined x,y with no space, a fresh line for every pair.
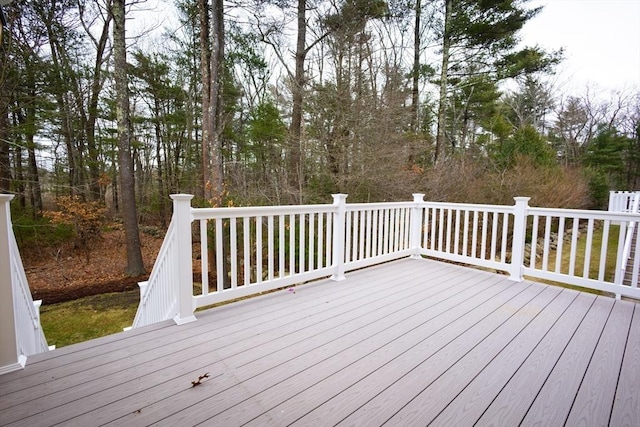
285,101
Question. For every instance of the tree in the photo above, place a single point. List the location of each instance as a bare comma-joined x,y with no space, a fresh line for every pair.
89,118
606,154
472,103
479,37
295,154
23,95
529,104
525,142
212,69
5,100
135,264
270,31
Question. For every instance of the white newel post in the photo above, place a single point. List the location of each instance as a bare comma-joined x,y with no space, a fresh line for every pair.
9,357
416,224
612,201
182,212
339,200
520,213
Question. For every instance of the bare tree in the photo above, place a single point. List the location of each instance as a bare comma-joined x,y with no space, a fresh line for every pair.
444,69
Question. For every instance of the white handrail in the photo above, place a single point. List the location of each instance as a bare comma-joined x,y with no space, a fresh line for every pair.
159,295
20,332
468,233
31,339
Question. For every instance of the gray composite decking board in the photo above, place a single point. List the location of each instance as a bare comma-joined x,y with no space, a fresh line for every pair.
333,413
339,405
98,398
331,347
41,362
626,406
145,380
344,367
158,343
594,401
366,372
471,403
511,404
510,342
556,397
103,345
308,360
85,352
175,358
296,367
425,370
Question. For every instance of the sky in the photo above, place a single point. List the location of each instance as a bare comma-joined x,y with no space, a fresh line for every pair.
601,39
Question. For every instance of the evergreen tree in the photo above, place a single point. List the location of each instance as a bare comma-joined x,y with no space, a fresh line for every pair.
479,38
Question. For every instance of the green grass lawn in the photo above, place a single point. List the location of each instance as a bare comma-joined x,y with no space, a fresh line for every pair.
87,318
594,261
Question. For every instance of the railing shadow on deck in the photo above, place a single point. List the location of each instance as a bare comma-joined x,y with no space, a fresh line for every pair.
249,250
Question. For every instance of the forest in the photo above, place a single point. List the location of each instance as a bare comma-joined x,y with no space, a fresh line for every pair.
268,102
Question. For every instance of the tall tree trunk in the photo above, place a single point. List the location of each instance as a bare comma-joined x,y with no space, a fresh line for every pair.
295,152
159,161
19,188
444,72
135,265
35,193
212,45
65,114
216,103
205,72
28,123
416,68
36,190
211,68
90,125
5,159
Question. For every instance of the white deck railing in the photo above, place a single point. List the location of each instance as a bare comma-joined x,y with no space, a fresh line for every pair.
567,250
249,250
632,238
623,201
21,333
470,234
159,302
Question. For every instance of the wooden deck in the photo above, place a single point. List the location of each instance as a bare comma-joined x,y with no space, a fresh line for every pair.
412,342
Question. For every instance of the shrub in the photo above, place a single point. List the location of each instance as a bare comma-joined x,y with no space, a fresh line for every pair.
86,219
467,180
